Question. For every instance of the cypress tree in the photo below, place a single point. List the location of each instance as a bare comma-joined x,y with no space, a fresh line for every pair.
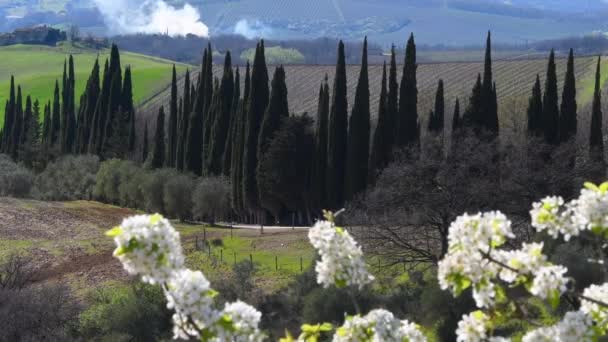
132,134
9,119
232,129
222,119
568,116
358,135
473,115
392,105
436,121
144,148
170,161
596,138
320,175
407,122
456,119
113,133
30,145
87,109
208,81
337,135
179,154
275,114
211,113
17,125
115,64
236,171
46,125
100,113
27,118
489,109
194,141
550,108
68,128
158,150
381,151
184,119
535,110
257,103
127,94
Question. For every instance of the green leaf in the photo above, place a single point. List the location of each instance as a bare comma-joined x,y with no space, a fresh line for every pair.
114,232
604,187
325,327
341,283
308,328
226,323
287,338
554,298
120,251
591,186
501,295
212,293
207,335
154,219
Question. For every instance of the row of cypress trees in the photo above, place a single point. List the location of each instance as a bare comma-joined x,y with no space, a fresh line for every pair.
104,124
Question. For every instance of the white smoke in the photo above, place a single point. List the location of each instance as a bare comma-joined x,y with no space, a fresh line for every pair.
151,16
252,30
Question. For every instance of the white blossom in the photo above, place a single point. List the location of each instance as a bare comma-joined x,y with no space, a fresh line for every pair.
598,312
245,320
544,334
342,262
575,327
484,295
479,232
549,279
190,295
378,326
148,246
410,332
552,216
472,327
590,210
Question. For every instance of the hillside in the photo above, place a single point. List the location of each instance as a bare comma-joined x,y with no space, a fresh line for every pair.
37,67
514,80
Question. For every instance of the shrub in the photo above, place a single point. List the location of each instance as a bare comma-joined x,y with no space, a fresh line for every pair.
178,196
211,199
108,180
152,189
15,180
134,313
68,178
129,180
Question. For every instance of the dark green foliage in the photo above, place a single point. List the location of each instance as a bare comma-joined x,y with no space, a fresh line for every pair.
392,106
596,138
145,148
177,196
211,199
357,160
194,142
46,127
128,109
408,131
222,119
17,125
550,118
56,116
232,127
9,120
101,110
184,119
15,180
277,111
381,151
179,153
170,160
535,110
256,105
68,178
568,117
236,172
285,169
456,119
320,175
116,141
68,116
436,119
489,109
337,135
30,149
158,150
210,115
87,110
473,115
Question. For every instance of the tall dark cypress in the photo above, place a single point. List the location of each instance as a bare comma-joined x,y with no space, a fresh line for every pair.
87,110
127,94
236,171
381,150
357,160
183,123
456,119
144,148
194,142
210,114
550,119
17,125
27,118
9,119
170,161
46,125
489,108
473,115
407,122
568,116
100,113
30,135
596,138
392,105
179,153
257,103
68,133
436,121
114,132
232,130
535,110
321,136
158,150
337,135
222,119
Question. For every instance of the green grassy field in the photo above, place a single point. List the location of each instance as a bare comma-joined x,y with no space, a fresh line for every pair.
37,67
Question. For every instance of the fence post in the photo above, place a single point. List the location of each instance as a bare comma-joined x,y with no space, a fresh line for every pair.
276,263
205,234
231,229
234,258
293,221
221,255
251,259
208,244
301,265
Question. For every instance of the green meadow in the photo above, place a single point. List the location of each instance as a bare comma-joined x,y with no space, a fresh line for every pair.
37,67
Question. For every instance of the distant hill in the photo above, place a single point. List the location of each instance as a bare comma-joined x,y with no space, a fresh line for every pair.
447,22
37,67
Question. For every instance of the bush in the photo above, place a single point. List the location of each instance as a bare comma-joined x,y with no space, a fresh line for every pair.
211,199
68,178
15,180
129,185
108,181
131,313
152,186
178,197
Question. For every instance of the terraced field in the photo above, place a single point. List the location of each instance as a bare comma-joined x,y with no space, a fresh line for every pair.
514,80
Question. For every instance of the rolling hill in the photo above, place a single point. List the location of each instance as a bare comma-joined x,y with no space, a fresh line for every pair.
514,81
37,67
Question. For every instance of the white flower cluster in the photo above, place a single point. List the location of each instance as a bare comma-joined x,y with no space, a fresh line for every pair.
342,262
190,295
598,312
378,326
574,327
148,246
473,327
473,260
588,212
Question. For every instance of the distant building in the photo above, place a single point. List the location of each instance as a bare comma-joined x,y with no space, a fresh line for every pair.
40,35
